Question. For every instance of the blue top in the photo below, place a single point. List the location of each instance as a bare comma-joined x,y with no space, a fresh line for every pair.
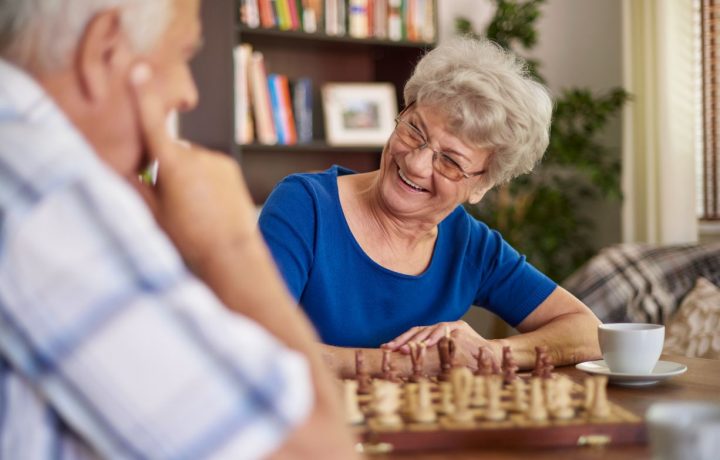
355,302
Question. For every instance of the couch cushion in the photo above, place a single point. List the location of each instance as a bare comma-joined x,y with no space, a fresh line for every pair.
694,330
642,282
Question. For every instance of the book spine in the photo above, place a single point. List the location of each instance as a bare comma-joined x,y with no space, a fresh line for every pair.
276,108
261,100
243,115
358,18
283,86
395,29
267,16
303,109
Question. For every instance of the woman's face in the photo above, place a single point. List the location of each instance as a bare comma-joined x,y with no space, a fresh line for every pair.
410,186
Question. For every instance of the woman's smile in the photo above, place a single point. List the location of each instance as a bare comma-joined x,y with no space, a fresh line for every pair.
410,184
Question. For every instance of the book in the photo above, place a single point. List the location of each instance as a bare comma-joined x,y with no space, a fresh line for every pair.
264,126
282,109
243,115
358,18
267,15
302,97
249,13
395,27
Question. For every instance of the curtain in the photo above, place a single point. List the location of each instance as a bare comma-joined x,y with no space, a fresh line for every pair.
661,125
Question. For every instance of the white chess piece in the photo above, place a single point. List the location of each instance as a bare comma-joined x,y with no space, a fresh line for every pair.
385,403
353,415
537,411
562,408
425,413
494,411
479,399
461,380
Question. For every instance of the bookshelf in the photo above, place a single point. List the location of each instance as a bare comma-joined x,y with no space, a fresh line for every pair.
321,57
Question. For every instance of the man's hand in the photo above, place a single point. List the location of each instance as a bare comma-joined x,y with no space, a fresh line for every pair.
467,341
200,198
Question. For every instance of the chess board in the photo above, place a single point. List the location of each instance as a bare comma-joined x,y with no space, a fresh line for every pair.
620,426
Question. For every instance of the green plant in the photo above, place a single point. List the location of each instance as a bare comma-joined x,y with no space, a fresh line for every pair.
542,214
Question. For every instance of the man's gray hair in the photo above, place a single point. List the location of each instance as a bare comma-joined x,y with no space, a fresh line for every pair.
43,33
489,100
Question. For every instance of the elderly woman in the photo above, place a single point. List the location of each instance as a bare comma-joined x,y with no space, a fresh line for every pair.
389,257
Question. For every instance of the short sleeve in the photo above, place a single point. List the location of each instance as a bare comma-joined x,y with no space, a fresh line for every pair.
510,286
288,224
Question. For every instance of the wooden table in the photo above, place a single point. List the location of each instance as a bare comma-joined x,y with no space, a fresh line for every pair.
700,382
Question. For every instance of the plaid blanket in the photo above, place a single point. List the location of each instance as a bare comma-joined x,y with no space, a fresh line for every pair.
642,282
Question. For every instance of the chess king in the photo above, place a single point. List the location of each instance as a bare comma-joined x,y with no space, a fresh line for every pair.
390,257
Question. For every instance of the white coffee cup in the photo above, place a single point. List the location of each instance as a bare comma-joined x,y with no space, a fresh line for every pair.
631,348
682,430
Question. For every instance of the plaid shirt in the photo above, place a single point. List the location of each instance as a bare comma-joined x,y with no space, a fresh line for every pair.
109,347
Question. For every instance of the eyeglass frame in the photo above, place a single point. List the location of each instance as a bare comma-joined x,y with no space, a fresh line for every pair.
436,153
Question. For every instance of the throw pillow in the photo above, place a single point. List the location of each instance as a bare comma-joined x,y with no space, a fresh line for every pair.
694,330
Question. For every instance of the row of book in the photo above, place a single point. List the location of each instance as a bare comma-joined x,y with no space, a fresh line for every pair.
412,20
269,107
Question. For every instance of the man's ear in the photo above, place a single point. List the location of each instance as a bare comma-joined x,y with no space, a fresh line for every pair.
102,52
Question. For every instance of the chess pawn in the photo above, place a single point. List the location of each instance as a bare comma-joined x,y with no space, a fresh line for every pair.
446,352
537,411
549,387
461,380
446,398
600,407
589,393
385,403
562,407
353,415
417,355
519,398
410,398
424,411
509,366
479,399
494,395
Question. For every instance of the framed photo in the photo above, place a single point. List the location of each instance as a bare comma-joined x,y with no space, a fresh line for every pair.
359,113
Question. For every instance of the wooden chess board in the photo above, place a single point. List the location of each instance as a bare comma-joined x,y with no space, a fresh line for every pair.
516,430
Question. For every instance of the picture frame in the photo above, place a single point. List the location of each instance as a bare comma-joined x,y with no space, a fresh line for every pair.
359,113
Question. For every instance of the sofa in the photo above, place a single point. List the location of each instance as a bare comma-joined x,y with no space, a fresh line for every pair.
672,285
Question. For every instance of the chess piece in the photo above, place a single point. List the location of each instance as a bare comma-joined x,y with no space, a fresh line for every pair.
410,398
484,361
479,399
446,351
540,353
417,355
353,415
385,403
549,387
446,398
600,407
509,366
361,374
537,411
547,367
424,413
461,380
562,405
589,393
494,410
385,366
519,397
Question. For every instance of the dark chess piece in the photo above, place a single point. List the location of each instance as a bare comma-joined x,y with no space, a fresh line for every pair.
509,366
362,375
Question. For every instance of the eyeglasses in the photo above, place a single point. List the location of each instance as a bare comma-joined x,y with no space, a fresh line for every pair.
442,163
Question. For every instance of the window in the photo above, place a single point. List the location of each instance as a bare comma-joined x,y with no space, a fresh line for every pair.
709,174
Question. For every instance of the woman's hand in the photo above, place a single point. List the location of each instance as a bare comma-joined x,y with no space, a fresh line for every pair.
467,341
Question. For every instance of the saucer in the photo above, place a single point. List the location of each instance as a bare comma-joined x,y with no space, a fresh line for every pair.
663,370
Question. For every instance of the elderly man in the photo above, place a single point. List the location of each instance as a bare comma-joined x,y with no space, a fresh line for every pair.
128,329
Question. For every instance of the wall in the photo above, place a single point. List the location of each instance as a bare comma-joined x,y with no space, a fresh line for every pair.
579,44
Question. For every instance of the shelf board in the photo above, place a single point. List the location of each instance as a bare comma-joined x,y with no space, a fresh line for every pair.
324,38
312,147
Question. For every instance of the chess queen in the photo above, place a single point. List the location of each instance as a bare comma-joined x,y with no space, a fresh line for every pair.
389,257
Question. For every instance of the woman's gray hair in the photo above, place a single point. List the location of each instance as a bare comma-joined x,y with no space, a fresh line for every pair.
489,100
43,33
